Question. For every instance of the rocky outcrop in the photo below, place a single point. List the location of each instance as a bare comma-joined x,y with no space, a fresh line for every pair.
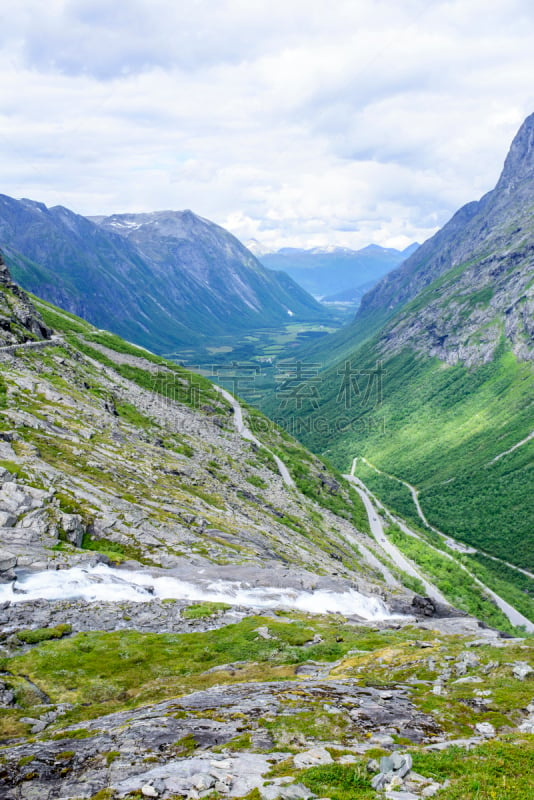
19,320
157,729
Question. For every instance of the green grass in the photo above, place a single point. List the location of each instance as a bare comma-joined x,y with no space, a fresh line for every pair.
104,672
3,393
113,550
130,414
500,770
339,782
204,610
100,672
255,480
14,468
38,635
61,321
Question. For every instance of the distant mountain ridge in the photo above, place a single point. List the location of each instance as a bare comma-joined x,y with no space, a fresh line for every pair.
325,271
165,280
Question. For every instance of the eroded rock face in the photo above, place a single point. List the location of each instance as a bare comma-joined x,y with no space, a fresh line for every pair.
19,320
424,606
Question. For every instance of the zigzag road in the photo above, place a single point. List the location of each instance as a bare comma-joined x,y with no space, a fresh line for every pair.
246,433
452,543
514,616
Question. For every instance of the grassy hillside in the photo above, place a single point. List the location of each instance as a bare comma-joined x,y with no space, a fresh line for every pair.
440,428
127,437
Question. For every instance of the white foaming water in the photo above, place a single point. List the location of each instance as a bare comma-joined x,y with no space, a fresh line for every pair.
103,583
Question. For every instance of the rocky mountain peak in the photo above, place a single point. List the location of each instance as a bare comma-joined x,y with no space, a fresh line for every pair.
486,248
519,164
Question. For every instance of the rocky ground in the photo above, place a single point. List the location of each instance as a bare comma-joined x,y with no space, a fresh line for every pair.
312,699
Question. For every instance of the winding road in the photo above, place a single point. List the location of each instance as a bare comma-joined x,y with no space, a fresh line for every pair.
377,530
453,544
513,615
55,340
395,554
511,449
246,433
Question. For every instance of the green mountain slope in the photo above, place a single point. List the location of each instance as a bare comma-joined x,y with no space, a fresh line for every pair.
439,381
179,617
147,457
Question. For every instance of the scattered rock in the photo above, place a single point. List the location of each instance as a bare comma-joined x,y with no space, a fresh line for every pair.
203,781
312,758
423,606
466,661
382,739
149,791
521,670
286,790
485,729
393,769
7,696
348,759
263,632
431,789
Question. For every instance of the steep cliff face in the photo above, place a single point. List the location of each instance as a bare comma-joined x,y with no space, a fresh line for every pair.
473,282
19,320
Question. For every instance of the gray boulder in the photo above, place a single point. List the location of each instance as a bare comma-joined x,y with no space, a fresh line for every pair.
521,670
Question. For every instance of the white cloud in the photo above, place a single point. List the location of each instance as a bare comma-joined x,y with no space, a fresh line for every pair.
293,122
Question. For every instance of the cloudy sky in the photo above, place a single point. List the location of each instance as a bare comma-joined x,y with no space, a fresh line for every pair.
295,122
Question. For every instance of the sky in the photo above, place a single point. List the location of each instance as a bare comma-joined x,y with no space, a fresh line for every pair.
299,123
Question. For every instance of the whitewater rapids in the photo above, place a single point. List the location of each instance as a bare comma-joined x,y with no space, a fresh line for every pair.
104,584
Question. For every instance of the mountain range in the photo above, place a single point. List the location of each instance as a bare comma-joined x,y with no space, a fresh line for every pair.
325,272
125,271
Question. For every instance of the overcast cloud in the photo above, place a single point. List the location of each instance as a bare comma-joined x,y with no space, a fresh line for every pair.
293,122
